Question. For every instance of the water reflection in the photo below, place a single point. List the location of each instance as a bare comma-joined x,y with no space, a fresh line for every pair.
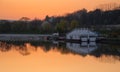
82,49
58,57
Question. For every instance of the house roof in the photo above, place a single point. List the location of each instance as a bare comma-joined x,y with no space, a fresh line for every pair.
82,32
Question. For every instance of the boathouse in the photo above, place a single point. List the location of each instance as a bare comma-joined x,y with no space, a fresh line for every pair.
82,34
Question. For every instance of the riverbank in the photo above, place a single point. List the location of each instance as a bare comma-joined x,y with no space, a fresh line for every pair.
39,37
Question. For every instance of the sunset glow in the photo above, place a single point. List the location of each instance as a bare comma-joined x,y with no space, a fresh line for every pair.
54,61
15,9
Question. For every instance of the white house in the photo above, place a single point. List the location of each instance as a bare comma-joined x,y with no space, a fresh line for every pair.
82,34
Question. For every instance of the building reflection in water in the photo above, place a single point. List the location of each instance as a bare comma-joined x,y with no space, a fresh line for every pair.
82,48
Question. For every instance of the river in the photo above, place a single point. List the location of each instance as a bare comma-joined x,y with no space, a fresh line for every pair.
59,57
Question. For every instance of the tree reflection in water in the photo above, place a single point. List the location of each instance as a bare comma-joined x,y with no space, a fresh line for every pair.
83,49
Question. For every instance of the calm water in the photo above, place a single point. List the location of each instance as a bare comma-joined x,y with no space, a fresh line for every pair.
59,57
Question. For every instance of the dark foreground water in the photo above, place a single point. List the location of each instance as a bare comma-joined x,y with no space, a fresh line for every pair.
59,57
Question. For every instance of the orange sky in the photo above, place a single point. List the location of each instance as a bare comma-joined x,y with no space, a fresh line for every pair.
15,9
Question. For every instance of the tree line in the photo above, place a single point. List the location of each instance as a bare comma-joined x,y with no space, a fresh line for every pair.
62,24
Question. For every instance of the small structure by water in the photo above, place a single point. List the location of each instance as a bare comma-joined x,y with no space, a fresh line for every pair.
82,34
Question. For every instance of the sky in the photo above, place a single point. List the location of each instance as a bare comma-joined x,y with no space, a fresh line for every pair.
15,9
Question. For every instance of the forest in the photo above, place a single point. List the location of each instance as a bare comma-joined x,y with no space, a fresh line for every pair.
106,21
